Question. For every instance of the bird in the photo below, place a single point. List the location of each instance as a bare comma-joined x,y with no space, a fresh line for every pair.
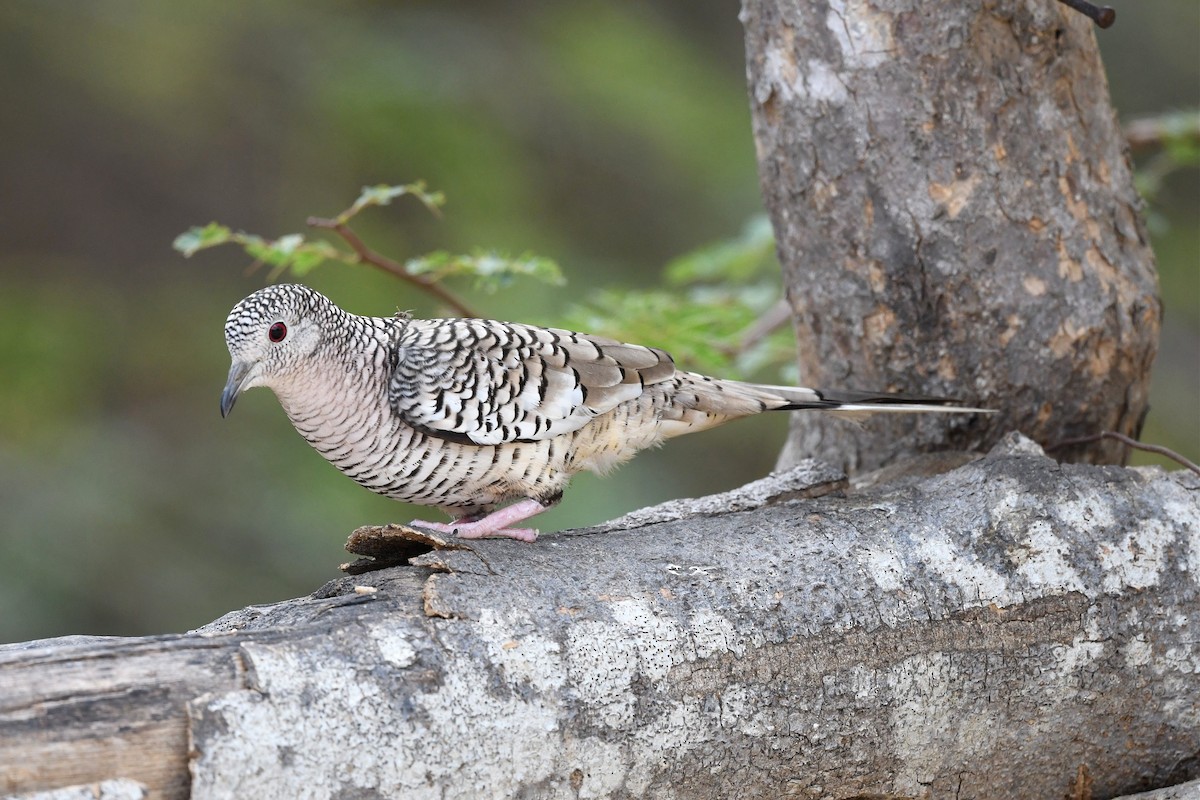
485,420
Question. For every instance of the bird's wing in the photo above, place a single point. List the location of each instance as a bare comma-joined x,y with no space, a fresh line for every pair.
491,382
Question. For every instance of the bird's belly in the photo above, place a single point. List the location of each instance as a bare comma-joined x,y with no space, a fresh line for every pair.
612,439
413,467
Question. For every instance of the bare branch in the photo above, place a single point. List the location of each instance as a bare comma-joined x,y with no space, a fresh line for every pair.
775,318
1129,442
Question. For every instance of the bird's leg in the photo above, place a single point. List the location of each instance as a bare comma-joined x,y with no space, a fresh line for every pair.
494,524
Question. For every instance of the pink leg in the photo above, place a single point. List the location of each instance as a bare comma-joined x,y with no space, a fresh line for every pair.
494,524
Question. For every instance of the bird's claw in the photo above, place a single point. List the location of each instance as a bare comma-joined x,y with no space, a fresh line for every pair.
476,530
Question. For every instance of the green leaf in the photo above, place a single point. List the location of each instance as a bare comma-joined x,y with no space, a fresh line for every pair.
288,244
382,195
299,255
490,269
263,250
1179,134
719,292
702,330
1182,138
307,259
195,239
291,252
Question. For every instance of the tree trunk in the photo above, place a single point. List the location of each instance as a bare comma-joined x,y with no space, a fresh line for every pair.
955,216
1011,629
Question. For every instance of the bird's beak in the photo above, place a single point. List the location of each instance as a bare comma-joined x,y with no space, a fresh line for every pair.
237,376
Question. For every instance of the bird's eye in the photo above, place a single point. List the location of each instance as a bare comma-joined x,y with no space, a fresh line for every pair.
277,332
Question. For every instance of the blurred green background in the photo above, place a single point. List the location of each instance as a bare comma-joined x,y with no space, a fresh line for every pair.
608,136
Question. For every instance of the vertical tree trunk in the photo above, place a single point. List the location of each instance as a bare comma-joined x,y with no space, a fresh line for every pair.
955,216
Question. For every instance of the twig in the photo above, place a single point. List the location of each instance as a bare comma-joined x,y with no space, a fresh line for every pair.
775,318
368,256
1129,442
1101,15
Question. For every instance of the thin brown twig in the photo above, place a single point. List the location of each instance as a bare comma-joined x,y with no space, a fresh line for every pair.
1129,442
772,320
775,318
368,256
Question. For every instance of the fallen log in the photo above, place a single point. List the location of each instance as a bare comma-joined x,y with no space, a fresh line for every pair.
1011,628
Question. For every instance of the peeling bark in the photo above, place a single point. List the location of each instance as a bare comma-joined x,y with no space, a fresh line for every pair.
956,216
981,633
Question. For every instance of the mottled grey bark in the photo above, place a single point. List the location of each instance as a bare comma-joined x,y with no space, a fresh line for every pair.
982,633
955,216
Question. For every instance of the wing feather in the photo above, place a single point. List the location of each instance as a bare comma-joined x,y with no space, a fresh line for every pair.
491,382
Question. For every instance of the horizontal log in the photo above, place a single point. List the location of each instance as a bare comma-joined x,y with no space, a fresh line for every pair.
1012,628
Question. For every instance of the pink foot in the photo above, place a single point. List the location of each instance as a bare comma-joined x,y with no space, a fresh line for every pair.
468,530
494,524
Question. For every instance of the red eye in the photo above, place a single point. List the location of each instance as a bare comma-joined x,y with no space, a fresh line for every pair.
277,332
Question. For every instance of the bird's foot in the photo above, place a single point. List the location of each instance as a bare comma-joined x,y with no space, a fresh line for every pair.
478,530
493,525
468,531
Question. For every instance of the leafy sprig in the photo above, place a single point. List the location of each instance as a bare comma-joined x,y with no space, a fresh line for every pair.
719,312
299,255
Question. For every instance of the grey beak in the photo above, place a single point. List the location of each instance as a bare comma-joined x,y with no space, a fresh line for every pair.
233,386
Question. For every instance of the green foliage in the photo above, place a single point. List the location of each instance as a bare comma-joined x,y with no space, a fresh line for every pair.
1178,136
749,256
708,317
287,253
382,195
490,269
299,255
196,239
1182,136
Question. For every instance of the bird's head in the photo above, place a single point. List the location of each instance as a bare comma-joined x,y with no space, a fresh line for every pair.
271,336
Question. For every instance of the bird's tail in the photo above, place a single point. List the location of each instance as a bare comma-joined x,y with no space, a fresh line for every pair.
705,402
797,398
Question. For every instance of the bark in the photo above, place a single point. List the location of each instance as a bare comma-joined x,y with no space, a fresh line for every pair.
955,215
1012,628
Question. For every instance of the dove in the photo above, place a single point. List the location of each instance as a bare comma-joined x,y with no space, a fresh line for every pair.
485,420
